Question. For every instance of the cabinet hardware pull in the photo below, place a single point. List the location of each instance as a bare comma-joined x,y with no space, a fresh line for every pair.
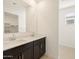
41,45
22,56
19,57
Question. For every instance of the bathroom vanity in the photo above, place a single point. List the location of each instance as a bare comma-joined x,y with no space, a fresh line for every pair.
18,42
33,49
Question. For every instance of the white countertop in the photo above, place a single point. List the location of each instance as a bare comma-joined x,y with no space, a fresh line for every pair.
20,41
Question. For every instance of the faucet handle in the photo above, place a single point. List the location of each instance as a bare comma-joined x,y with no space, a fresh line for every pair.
12,37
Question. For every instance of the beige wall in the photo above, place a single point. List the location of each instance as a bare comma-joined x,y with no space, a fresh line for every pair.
66,31
43,19
32,19
22,20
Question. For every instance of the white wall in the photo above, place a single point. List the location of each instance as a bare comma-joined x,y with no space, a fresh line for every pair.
66,31
43,19
22,20
32,19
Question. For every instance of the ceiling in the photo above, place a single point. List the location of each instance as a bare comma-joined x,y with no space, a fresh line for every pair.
66,3
37,1
14,4
21,3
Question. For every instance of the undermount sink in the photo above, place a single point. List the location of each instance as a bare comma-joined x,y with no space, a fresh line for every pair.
17,40
14,40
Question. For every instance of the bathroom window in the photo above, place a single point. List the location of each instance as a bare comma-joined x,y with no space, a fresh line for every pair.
70,18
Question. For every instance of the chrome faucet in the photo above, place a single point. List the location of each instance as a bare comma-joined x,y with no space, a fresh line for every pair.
13,37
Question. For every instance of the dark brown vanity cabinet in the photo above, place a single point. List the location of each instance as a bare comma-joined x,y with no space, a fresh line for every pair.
32,50
42,47
27,52
39,48
11,54
22,52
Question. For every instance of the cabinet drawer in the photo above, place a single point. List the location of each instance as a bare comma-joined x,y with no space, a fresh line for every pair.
37,42
28,45
42,47
12,51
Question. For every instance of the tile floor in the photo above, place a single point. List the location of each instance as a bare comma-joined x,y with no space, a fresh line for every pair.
45,57
64,53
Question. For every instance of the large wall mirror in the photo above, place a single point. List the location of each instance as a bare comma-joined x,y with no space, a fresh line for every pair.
19,16
15,16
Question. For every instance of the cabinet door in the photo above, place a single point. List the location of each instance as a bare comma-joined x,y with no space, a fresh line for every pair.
28,53
36,52
42,47
11,54
37,49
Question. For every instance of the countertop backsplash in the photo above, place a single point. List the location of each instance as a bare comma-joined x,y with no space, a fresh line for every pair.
7,36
